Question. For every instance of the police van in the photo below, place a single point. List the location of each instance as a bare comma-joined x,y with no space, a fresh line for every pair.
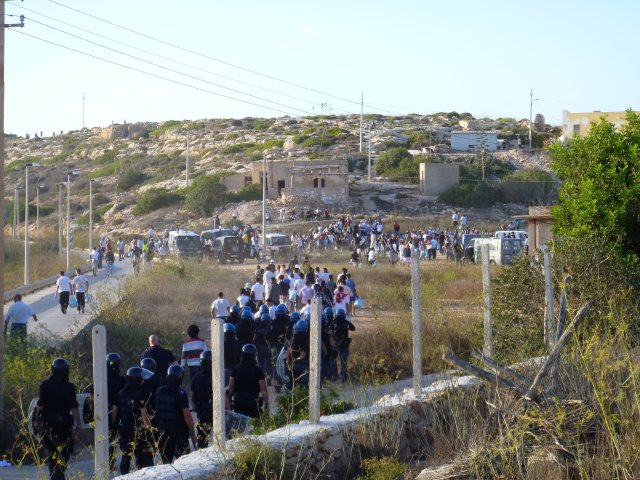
184,243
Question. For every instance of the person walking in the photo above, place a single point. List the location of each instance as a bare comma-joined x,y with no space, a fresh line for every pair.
57,418
63,291
174,418
191,350
162,356
202,398
220,307
247,383
80,287
19,314
120,246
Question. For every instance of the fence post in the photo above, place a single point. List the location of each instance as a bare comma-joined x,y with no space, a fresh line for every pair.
487,350
416,318
100,403
314,360
549,316
217,382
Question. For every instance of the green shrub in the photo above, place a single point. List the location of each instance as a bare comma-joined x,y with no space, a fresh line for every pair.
248,193
398,162
530,186
476,194
154,199
8,209
237,148
204,195
107,157
257,461
163,127
130,178
268,145
383,468
20,164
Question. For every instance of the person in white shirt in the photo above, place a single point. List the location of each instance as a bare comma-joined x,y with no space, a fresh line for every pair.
63,290
372,257
268,275
243,299
94,256
80,288
306,310
220,307
257,292
120,246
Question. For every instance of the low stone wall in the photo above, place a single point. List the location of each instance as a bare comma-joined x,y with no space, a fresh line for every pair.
331,448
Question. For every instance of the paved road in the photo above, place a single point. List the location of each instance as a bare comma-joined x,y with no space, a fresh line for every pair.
56,326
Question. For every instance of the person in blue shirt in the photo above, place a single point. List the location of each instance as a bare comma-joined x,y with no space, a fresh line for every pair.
19,313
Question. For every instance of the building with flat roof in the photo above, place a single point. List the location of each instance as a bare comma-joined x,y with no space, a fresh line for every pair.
474,141
578,124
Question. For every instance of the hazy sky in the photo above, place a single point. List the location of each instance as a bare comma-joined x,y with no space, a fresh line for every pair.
406,56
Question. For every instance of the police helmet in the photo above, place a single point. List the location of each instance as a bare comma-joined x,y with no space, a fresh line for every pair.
307,317
295,316
300,327
175,372
138,374
249,352
324,318
328,311
235,309
281,309
265,317
60,368
264,308
205,359
148,363
229,327
246,313
341,313
113,362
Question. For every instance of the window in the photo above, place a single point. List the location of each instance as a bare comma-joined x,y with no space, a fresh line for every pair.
576,130
318,183
247,181
472,147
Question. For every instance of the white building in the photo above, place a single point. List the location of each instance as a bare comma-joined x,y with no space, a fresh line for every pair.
474,141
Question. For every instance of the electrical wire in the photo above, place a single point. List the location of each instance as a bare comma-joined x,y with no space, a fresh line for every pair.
128,67
204,70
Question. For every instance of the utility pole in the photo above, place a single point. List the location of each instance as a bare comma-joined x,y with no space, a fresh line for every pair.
83,99
21,24
361,119
90,215
15,214
264,204
369,125
187,162
18,213
60,219
26,224
38,212
68,222
531,100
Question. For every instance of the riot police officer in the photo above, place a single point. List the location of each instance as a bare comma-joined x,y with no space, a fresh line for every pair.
232,350
129,417
298,355
201,396
234,314
245,327
342,328
53,417
174,418
115,383
247,383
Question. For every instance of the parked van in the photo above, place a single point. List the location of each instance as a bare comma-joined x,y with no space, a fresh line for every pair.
521,234
228,248
502,251
278,246
215,233
184,243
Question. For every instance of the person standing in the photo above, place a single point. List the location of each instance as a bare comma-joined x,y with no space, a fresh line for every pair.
247,383
80,288
162,356
57,417
202,398
63,290
19,313
174,418
220,307
191,350
257,292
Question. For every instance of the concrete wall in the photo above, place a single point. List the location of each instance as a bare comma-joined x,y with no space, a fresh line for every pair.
236,182
474,141
331,448
436,178
576,124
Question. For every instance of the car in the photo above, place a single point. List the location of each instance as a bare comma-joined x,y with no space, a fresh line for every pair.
184,243
215,233
278,246
502,251
228,248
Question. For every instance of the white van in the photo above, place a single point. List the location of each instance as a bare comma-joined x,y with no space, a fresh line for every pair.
502,251
184,243
521,234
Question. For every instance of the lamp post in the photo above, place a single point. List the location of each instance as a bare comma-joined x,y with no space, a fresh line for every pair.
38,210
75,172
17,214
60,218
369,126
531,100
264,205
26,220
91,214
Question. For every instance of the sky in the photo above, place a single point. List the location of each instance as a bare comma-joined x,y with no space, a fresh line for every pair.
196,59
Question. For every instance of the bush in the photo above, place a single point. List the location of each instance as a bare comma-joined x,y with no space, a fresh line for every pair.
248,193
130,178
398,162
237,148
205,194
469,194
163,127
268,145
155,198
383,468
107,157
257,461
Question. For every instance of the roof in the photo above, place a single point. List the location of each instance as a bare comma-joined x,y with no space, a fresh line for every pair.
184,233
474,132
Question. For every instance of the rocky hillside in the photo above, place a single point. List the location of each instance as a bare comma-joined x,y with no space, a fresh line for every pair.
153,155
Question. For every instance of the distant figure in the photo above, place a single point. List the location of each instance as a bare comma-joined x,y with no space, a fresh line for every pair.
19,313
163,357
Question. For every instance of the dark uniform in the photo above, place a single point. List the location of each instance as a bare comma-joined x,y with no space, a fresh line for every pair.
57,398
202,398
343,342
115,383
300,359
247,388
129,405
171,399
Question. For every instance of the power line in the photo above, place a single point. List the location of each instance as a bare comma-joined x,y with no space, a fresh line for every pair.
193,77
271,77
177,82
226,77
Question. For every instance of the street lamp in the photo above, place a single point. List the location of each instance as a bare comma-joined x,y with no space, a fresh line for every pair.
60,185
91,213
38,210
26,220
531,100
369,126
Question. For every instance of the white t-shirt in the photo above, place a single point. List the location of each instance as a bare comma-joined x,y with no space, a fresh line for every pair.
372,255
64,284
304,311
80,283
268,275
221,307
258,292
243,300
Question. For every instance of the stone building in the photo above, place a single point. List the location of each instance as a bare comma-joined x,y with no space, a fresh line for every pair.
324,180
437,178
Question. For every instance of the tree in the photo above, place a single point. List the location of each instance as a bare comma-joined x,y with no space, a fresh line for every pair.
397,162
204,195
601,190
